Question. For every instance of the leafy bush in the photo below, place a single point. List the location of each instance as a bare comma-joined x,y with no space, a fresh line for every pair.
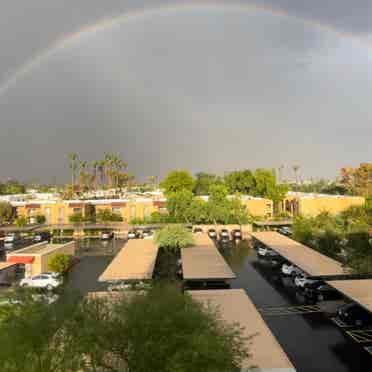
174,237
21,221
6,213
59,263
105,215
158,330
76,218
40,219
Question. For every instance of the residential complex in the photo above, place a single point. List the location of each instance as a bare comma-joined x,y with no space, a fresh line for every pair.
310,205
58,211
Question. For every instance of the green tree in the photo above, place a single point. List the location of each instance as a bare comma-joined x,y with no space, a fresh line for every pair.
6,213
197,211
238,211
105,215
59,263
242,182
21,221
176,181
178,204
40,219
174,237
218,205
204,181
76,218
74,166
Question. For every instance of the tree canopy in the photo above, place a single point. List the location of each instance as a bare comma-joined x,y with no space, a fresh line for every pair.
159,330
174,237
176,181
204,181
6,213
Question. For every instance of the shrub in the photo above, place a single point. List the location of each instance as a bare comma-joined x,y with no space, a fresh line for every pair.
60,262
174,237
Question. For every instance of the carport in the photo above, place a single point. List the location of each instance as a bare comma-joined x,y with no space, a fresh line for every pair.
135,261
235,306
204,263
307,259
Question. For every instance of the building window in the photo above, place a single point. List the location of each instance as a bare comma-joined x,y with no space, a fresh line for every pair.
116,210
77,210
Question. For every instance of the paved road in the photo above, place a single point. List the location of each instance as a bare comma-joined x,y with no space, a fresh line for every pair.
311,341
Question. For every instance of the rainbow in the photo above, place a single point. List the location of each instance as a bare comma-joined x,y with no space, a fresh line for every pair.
142,14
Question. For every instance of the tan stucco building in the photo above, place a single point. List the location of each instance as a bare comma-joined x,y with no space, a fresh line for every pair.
309,205
36,257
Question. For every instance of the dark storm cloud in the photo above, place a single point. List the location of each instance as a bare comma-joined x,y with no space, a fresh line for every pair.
203,89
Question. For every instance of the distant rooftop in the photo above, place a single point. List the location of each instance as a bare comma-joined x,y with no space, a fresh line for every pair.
39,248
307,195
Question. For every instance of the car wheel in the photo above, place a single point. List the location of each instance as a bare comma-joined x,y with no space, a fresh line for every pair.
49,287
358,322
24,285
320,297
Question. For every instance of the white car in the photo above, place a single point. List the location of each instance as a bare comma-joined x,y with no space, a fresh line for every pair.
266,252
147,234
289,269
45,280
301,280
212,233
11,238
132,234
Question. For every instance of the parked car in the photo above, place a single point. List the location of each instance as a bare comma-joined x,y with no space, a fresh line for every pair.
290,269
236,234
12,238
123,286
354,315
266,252
224,234
107,235
212,233
134,234
318,291
147,234
287,231
198,230
42,236
301,280
46,281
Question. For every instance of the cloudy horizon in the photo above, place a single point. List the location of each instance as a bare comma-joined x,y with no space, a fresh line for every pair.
209,87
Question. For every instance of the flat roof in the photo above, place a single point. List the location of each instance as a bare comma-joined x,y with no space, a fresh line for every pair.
307,259
38,248
359,291
273,223
202,239
135,261
5,265
200,263
235,307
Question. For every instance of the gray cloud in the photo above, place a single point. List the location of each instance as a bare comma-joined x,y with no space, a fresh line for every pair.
202,89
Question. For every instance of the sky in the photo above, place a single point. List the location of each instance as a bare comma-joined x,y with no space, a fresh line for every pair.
203,85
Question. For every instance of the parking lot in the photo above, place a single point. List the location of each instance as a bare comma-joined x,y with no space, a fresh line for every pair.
310,339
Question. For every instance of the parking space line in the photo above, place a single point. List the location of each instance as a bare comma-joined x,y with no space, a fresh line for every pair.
289,310
360,335
368,349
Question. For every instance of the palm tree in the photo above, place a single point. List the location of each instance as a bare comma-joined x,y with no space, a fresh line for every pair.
73,158
102,171
95,165
152,181
296,168
82,173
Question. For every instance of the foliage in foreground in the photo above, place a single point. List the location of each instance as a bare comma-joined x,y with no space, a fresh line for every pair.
345,237
161,330
174,237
